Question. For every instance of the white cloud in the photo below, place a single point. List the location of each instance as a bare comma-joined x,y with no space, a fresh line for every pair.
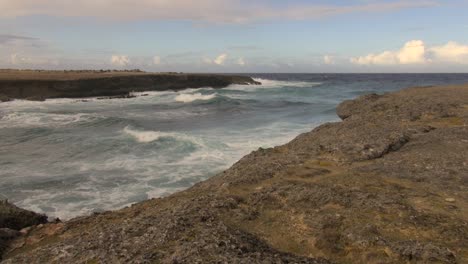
451,52
120,60
207,61
221,59
156,60
231,11
24,60
241,62
384,58
327,59
413,52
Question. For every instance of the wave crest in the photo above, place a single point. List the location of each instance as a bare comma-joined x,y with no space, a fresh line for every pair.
151,136
144,136
273,84
188,98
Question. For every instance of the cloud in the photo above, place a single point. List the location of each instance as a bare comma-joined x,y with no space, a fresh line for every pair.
156,60
241,62
5,38
451,52
413,52
207,61
327,59
19,60
120,60
384,58
227,11
221,59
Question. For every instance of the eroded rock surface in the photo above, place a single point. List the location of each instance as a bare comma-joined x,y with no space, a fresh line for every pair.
386,185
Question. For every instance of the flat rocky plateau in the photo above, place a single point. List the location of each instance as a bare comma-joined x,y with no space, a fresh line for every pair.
41,85
388,184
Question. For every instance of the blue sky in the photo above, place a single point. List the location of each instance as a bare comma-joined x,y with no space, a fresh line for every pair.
236,35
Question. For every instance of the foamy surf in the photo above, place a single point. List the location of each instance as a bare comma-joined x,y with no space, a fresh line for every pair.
273,84
142,136
20,119
188,98
70,157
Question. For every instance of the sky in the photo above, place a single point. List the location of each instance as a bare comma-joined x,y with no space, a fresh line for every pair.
236,35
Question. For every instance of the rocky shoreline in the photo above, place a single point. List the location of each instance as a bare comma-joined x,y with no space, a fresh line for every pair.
41,85
388,184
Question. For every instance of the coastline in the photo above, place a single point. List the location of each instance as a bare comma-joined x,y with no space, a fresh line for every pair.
41,85
367,189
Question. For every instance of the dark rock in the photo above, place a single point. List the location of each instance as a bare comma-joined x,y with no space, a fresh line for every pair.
13,217
124,96
39,86
38,98
4,98
6,235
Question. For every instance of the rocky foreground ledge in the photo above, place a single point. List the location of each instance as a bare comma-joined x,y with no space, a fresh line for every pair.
388,184
41,85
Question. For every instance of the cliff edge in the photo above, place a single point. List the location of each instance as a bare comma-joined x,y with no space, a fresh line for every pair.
388,184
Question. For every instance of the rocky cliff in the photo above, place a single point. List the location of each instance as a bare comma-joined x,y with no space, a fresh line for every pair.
388,184
43,85
14,219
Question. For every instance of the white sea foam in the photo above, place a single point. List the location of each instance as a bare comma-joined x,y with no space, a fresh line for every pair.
273,84
144,136
88,198
277,83
150,136
187,98
24,119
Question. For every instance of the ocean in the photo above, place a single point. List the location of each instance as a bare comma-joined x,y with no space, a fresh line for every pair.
72,157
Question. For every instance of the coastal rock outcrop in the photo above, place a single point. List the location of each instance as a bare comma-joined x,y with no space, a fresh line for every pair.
388,184
43,85
13,219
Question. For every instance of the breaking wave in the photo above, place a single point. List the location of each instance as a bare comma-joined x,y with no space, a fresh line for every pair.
151,136
188,98
273,84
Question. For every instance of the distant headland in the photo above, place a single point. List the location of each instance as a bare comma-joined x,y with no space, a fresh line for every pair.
39,85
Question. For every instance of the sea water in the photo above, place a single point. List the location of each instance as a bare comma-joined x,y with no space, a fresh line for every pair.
71,157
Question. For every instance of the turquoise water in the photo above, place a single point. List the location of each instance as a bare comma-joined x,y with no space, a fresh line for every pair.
69,157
